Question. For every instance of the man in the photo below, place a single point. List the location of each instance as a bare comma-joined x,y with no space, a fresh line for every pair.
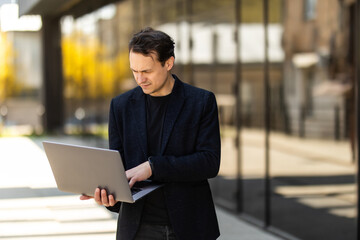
166,131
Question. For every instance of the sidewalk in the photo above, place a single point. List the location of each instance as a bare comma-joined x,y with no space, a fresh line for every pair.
32,208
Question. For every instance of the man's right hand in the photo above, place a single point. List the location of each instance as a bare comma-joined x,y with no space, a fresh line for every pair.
138,173
101,198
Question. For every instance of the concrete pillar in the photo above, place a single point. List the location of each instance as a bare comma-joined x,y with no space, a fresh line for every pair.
52,75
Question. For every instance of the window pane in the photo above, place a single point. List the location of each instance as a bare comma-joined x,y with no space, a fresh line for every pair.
312,123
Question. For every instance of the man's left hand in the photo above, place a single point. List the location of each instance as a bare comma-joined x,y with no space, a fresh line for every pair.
139,173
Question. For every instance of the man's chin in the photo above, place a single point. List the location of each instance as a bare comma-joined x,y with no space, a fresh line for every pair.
146,91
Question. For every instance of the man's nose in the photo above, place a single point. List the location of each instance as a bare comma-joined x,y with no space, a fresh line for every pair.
140,78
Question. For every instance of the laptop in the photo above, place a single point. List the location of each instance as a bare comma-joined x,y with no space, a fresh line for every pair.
80,170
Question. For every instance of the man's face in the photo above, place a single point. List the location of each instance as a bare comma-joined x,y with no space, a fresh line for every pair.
150,75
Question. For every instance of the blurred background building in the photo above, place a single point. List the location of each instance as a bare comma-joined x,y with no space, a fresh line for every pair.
284,73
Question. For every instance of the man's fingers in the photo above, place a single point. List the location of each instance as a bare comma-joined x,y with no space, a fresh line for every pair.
101,198
111,200
129,174
85,197
130,177
132,182
97,196
138,173
104,198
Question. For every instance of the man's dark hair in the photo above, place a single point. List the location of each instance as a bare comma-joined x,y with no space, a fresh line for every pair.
149,41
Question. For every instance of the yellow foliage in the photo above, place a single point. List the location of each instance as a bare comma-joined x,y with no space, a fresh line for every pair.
88,70
7,70
252,11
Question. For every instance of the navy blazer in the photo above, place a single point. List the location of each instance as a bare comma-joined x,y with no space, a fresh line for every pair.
190,154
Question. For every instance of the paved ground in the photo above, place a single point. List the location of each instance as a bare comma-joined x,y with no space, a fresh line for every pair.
312,179
32,208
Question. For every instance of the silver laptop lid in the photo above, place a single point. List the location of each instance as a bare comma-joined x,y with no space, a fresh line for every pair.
81,170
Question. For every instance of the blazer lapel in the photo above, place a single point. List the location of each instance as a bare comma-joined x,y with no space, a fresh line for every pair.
175,104
139,118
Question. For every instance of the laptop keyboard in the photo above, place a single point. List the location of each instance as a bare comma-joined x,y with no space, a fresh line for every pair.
138,186
135,190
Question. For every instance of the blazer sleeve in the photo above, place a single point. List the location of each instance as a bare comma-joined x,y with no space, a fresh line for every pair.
115,143
204,163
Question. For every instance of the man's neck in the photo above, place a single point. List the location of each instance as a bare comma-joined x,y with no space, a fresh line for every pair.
168,86
171,82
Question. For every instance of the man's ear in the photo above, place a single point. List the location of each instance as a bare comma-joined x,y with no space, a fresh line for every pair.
170,63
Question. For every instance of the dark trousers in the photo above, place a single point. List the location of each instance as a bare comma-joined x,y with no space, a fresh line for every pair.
154,232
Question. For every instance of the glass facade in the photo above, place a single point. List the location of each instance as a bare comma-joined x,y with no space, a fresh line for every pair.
283,74
312,166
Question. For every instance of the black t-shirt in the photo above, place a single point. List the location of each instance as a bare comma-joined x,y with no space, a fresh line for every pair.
155,211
